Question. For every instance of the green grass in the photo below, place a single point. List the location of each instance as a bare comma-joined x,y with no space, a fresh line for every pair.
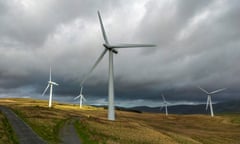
84,133
6,132
235,118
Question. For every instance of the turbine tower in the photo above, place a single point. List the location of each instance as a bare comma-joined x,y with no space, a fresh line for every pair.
81,98
165,105
209,98
111,48
50,84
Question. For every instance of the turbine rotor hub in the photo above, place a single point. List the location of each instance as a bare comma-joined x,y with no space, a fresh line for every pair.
110,48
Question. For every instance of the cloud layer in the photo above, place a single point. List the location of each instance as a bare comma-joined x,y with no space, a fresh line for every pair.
197,44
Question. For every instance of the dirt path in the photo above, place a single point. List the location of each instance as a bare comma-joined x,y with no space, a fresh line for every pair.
68,134
24,133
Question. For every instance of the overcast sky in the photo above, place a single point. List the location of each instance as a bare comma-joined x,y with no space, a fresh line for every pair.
198,43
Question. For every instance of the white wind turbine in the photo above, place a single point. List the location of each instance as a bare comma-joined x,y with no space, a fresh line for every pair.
209,98
81,98
111,48
165,105
50,84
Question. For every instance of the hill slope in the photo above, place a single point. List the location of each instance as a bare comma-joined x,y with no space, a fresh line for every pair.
129,128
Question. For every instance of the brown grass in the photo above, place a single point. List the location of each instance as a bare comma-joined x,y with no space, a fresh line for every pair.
129,128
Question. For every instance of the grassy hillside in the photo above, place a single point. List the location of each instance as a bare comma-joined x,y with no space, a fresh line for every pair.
129,128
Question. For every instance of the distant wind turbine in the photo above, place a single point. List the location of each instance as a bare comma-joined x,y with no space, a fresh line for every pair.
111,49
209,98
165,105
81,98
50,84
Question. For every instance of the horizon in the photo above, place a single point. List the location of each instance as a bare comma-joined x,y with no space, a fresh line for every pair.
119,103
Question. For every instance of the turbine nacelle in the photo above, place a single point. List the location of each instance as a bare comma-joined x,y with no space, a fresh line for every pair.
209,99
165,104
213,92
50,85
81,97
110,48
53,83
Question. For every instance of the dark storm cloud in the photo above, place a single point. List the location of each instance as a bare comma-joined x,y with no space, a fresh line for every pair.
197,44
166,19
31,22
196,40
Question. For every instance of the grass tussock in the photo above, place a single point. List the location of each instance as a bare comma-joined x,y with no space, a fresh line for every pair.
7,135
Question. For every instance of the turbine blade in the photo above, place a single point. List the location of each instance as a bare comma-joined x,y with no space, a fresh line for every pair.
84,98
131,45
207,102
81,90
102,28
164,100
76,97
45,90
50,74
54,83
203,90
95,64
216,91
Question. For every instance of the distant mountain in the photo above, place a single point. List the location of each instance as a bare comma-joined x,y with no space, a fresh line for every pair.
226,107
233,106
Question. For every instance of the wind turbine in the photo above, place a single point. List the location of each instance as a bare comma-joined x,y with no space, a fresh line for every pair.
81,98
165,105
50,84
209,98
111,48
